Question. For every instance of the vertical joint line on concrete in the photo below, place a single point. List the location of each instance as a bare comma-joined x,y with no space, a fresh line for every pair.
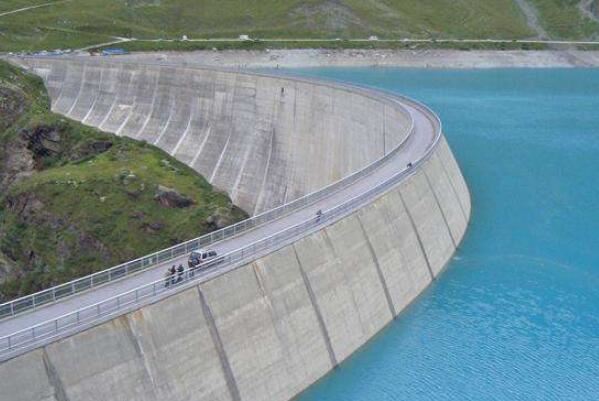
455,192
428,181
81,85
420,244
220,349
66,72
137,345
378,268
53,377
323,328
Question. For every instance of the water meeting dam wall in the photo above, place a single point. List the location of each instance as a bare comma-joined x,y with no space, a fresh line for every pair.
271,327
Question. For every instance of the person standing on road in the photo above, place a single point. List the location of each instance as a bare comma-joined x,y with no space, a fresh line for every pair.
173,272
167,277
180,271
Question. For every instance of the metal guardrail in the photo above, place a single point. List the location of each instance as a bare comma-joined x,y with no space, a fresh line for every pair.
51,295
32,336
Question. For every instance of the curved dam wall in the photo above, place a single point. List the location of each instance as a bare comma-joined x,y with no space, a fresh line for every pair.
270,328
263,140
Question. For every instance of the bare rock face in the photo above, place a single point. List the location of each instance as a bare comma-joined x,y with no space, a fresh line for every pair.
90,149
219,219
16,162
43,141
26,206
12,106
6,267
169,197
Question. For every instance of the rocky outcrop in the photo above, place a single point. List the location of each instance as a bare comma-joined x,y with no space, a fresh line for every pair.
12,106
169,197
32,148
16,162
221,218
47,142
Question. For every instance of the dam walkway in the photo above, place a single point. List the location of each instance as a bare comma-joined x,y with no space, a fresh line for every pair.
39,326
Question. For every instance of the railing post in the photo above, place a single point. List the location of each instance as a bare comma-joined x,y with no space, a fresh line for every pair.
72,288
9,342
12,308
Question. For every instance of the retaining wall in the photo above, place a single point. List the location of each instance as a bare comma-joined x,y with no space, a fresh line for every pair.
269,329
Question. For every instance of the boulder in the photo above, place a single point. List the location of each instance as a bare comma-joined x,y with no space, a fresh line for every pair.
221,218
168,197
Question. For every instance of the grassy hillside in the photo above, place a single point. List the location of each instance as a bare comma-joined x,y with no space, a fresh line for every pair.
79,23
74,24
74,200
563,19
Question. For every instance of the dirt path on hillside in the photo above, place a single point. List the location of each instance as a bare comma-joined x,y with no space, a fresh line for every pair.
532,18
586,8
33,7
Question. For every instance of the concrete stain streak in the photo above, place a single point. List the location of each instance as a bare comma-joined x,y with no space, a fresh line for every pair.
317,311
420,244
432,189
139,350
222,355
97,95
455,192
378,268
54,378
81,85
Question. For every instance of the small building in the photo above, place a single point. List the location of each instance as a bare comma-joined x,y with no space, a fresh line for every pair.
184,37
244,37
373,37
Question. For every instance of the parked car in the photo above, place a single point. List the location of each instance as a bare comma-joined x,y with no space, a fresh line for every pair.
200,256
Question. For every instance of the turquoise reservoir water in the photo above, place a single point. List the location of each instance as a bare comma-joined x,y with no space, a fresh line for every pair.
516,314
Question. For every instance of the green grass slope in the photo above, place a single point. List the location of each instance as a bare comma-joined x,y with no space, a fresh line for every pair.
74,200
74,24
563,19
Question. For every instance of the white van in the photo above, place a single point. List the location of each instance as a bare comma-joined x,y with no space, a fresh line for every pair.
200,256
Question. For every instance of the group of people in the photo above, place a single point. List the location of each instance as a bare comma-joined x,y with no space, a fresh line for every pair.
174,275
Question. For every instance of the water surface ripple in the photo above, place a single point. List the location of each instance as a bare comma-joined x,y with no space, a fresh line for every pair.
516,314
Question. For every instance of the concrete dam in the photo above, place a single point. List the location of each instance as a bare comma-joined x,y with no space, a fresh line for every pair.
296,295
